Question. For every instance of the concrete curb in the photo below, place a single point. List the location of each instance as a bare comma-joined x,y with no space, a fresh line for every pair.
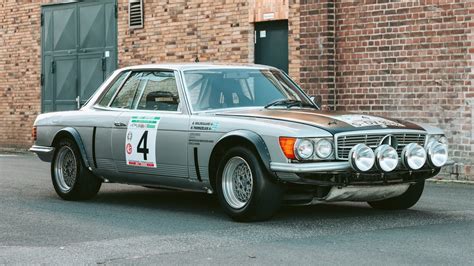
14,151
450,181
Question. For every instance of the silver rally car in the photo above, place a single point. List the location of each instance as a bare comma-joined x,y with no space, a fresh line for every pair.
247,133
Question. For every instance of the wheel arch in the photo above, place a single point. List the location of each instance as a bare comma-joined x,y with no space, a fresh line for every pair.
73,134
246,138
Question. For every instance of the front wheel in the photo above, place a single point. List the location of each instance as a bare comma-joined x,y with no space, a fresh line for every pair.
402,202
71,179
244,187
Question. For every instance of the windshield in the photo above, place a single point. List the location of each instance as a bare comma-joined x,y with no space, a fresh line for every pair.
232,88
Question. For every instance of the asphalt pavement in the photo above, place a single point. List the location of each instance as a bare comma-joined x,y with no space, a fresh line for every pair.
136,225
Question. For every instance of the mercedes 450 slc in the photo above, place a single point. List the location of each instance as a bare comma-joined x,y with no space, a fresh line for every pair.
247,133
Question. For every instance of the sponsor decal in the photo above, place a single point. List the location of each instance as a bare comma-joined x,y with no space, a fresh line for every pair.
367,121
140,143
204,126
129,148
195,139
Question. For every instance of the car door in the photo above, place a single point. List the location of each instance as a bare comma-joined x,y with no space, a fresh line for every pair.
102,121
150,135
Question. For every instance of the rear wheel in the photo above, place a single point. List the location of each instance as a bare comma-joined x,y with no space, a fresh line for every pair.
404,201
244,188
71,179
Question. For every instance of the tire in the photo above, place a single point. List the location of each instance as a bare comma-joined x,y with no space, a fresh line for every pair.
71,179
402,202
258,197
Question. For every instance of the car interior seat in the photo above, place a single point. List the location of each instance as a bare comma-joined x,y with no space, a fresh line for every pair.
161,100
227,93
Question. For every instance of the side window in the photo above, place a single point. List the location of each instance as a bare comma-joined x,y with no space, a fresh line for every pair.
195,83
112,89
127,94
158,91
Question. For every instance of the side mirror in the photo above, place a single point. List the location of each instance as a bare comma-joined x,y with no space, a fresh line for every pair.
317,100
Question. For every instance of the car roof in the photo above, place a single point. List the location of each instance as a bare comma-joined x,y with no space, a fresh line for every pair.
197,66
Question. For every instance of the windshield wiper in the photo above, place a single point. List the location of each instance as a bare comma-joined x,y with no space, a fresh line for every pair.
288,103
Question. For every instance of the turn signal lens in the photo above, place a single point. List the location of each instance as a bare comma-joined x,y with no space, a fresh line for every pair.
34,135
288,147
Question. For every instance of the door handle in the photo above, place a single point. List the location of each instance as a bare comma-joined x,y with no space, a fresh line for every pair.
78,102
119,124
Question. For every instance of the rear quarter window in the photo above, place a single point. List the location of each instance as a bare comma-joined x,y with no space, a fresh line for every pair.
127,93
112,89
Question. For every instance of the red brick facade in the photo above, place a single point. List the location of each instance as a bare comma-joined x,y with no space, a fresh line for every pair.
405,59
19,71
181,30
317,46
410,60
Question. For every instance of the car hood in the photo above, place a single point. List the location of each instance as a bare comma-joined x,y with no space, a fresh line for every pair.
334,122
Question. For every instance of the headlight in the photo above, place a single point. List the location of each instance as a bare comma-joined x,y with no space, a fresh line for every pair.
443,140
387,158
307,148
435,138
361,158
304,149
437,154
323,148
413,156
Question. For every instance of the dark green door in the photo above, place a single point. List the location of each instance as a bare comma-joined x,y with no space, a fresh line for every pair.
271,44
78,51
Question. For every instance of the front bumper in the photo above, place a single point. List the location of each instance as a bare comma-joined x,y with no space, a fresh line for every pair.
320,167
363,193
44,153
340,173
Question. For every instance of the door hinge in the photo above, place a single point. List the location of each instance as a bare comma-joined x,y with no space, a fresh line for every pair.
104,64
42,19
42,80
53,67
116,11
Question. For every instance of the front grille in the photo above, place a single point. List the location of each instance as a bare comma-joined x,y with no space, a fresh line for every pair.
345,143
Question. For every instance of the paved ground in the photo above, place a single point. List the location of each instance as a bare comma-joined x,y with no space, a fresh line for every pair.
134,225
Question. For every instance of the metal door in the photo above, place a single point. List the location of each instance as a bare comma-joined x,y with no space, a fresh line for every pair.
271,44
171,144
78,51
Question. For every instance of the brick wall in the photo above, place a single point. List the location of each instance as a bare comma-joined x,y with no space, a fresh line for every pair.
411,60
264,10
178,31
19,71
317,49
294,45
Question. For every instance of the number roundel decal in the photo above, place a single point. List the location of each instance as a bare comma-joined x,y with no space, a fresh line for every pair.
140,142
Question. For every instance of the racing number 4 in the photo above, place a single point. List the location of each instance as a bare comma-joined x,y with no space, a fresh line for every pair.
143,142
